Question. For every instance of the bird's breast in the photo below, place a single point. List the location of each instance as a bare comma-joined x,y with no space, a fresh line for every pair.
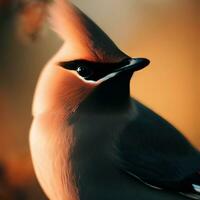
51,140
72,156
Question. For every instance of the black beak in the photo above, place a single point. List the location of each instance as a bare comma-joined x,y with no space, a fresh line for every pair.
133,64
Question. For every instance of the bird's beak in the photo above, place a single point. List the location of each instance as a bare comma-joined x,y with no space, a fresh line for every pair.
128,65
133,64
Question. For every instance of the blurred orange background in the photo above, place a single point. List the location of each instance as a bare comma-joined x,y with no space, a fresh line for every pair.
166,32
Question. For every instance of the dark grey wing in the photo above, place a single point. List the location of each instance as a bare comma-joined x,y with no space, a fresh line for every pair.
153,150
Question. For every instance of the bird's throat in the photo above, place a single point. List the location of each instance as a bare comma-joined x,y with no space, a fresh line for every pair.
112,95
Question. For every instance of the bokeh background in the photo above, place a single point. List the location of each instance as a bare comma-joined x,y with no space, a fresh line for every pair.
167,32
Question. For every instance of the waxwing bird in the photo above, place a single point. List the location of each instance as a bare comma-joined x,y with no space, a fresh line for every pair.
89,139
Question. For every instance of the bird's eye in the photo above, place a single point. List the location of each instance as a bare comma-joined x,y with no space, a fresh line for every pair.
84,71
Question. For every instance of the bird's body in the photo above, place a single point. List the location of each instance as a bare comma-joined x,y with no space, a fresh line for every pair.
91,140
100,163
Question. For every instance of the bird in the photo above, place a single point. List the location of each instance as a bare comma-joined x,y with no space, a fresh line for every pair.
90,139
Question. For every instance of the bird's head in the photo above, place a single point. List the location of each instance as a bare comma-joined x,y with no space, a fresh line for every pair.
88,64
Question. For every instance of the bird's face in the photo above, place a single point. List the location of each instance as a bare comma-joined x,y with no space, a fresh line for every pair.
83,73
100,83
95,73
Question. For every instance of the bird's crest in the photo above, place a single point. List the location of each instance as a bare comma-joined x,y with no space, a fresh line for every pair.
79,31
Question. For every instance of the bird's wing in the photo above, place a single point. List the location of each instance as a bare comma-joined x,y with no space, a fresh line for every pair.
154,151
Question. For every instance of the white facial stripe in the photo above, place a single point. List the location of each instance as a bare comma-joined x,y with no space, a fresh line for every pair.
107,77
87,81
98,81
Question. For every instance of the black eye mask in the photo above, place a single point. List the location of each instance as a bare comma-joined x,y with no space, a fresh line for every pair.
94,70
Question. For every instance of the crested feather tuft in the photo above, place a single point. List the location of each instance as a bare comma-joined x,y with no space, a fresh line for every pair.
59,14
74,27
